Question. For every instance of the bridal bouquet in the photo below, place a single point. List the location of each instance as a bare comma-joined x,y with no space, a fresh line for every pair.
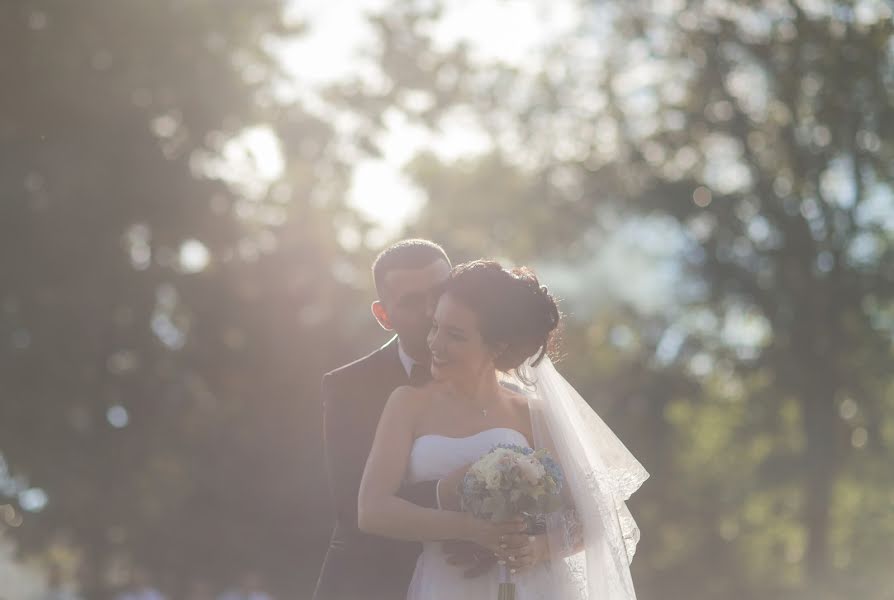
512,481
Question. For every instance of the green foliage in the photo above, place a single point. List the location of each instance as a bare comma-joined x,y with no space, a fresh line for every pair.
169,413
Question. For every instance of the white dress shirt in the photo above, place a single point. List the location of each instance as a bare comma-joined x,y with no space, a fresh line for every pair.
405,359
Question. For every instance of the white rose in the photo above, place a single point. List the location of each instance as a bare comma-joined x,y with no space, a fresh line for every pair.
486,463
531,470
499,453
492,479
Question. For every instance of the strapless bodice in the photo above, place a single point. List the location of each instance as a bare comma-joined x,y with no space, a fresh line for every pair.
433,456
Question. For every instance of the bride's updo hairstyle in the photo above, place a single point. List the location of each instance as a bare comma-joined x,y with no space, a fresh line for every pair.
513,309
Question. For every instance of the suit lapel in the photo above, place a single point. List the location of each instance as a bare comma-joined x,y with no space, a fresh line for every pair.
383,374
389,368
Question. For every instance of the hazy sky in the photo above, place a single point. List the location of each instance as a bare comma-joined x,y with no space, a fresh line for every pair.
337,44
637,259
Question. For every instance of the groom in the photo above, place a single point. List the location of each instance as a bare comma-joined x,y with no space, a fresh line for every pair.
408,276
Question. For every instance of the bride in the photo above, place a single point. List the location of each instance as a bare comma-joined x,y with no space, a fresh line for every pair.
490,325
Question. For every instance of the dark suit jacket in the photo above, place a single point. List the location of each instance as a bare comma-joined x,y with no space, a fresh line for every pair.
359,565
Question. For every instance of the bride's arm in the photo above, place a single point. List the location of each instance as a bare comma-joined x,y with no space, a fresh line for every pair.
381,511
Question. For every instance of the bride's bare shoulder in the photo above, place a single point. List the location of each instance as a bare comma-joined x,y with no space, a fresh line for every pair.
518,403
411,397
408,405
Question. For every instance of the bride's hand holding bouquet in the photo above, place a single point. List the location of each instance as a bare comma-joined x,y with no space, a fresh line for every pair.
513,486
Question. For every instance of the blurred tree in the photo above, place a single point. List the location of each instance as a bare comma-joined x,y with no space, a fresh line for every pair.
765,130
163,325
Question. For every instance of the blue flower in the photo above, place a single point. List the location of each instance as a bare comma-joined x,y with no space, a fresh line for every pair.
552,468
516,448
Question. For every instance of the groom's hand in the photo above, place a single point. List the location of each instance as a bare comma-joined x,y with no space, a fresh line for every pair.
474,559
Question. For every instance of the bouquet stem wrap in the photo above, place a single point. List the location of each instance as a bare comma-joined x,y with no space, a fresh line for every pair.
507,588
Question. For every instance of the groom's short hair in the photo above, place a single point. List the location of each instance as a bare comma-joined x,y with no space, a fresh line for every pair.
405,254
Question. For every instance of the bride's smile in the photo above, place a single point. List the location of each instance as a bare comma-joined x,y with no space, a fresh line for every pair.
459,354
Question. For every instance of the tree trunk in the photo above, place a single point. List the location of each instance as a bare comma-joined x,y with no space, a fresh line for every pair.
818,417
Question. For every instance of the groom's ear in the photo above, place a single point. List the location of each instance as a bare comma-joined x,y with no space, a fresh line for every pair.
381,315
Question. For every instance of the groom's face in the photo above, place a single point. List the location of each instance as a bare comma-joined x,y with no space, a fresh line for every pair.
409,298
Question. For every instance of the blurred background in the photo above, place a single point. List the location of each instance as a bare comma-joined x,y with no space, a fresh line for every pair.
191,193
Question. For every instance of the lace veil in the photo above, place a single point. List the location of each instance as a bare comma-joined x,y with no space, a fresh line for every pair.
593,540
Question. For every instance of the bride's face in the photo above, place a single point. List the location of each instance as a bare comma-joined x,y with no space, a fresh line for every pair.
457,349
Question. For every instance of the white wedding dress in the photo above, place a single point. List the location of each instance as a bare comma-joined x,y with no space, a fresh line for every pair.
432,457
591,541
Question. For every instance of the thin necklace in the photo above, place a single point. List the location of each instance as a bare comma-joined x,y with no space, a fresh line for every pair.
483,411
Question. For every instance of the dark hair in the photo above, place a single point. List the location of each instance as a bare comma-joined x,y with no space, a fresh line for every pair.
512,308
405,254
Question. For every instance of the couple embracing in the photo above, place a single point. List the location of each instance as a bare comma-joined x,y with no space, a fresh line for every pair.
467,370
